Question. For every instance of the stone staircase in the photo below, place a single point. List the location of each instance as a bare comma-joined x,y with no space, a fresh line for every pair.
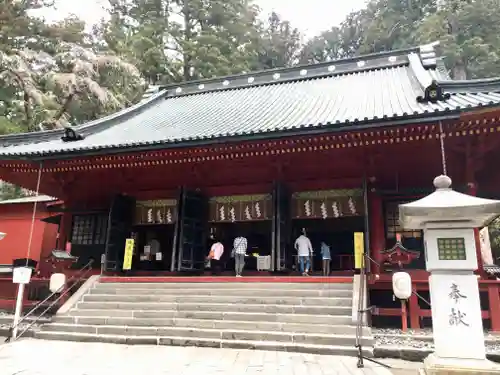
298,317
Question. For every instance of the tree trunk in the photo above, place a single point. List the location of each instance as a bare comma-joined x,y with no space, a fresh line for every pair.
459,72
187,38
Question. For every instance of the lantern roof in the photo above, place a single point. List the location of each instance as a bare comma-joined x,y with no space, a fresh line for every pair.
446,205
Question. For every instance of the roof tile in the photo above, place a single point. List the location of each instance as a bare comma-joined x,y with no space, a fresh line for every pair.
384,88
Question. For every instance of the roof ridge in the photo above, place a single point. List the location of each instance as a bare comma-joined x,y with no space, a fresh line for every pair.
354,59
473,85
356,64
420,64
309,77
435,89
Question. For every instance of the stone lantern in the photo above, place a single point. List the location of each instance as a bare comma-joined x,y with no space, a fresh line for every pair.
448,219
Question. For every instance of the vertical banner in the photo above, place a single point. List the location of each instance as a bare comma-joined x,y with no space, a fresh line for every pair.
359,249
129,252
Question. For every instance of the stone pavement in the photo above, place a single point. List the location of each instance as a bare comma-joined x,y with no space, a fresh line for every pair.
40,357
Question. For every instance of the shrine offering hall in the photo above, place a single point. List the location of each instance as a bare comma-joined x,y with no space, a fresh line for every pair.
182,229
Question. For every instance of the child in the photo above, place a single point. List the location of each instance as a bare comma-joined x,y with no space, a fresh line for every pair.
325,254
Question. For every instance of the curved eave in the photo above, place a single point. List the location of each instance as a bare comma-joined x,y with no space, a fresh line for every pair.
83,129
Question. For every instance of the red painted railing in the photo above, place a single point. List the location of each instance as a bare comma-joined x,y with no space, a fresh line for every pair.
416,312
35,291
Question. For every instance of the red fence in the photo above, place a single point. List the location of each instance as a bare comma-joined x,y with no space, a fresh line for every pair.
35,291
416,312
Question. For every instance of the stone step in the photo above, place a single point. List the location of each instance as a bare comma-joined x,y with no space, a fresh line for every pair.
254,299
235,285
9,319
301,318
214,324
204,342
217,307
205,333
153,293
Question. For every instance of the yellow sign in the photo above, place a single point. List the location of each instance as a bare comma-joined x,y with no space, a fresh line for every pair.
129,252
359,249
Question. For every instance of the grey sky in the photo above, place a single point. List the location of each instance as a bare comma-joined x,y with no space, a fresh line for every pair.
310,16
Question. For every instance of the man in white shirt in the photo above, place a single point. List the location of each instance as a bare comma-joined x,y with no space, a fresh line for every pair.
304,251
240,245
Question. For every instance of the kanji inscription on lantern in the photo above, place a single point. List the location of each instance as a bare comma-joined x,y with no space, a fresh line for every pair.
451,249
457,317
455,293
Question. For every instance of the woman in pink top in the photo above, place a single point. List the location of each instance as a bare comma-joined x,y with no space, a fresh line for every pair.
215,254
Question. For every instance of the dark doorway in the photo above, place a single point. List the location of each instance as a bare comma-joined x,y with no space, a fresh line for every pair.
148,255
337,233
258,235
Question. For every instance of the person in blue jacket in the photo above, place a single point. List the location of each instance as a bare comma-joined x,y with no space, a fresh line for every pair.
325,255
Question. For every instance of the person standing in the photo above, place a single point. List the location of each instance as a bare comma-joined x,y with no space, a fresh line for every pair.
325,255
240,246
304,252
154,248
214,255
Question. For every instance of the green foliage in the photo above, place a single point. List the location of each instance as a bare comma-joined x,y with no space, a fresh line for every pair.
177,40
470,35
50,76
467,29
279,43
9,191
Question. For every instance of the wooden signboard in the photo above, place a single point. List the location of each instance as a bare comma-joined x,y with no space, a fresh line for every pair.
327,204
161,211
240,208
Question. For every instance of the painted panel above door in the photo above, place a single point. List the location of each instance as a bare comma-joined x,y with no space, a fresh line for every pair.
236,208
160,211
327,204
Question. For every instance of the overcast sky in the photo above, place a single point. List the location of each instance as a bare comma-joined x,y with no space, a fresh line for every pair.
310,16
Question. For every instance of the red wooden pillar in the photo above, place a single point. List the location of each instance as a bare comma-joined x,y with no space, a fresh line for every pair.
404,316
64,230
414,310
377,235
472,190
494,302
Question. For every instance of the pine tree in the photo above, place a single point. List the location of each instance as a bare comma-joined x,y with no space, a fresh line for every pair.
179,40
279,44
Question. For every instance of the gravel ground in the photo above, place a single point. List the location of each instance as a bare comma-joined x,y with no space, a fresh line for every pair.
6,320
422,339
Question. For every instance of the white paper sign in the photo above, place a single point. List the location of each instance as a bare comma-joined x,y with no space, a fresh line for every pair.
147,249
21,275
158,256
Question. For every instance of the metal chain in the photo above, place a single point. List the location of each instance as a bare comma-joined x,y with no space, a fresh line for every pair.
443,153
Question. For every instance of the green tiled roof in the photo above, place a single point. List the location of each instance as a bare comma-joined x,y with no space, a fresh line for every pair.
367,91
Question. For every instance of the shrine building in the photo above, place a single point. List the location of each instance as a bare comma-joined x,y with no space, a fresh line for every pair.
329,148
